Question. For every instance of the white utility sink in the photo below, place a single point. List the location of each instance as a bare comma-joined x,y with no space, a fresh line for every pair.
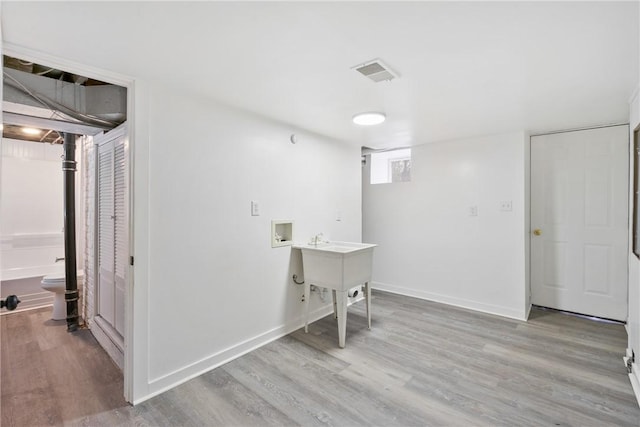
339,266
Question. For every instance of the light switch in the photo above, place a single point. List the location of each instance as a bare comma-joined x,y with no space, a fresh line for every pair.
338,216
255,208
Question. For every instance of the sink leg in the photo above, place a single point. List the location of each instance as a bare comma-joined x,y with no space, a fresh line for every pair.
341,302
307,297
367,297
335,308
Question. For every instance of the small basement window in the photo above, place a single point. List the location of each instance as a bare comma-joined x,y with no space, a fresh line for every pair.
391,166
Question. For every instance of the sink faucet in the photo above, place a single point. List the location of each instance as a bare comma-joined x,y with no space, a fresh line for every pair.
317,239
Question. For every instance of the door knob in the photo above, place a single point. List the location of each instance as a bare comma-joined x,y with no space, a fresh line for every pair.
537,232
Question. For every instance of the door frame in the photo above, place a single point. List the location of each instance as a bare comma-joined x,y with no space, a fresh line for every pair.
129,83
530,197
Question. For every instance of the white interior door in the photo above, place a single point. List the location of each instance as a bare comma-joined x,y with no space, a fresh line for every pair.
112,236
579,209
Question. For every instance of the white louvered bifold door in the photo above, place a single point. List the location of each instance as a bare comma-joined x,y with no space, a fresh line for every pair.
106,216
120,230
113,222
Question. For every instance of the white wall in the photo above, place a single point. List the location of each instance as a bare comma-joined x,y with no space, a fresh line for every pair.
215,281
633,322
430,247
31,187
88,215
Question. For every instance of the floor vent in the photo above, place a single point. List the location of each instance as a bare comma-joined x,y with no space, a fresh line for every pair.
376,70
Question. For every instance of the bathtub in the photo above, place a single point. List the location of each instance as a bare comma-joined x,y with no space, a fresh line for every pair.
30,255
24,260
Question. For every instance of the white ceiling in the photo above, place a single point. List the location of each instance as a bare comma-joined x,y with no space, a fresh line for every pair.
467,69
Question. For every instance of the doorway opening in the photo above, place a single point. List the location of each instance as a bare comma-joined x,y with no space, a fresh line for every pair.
579,221
54,98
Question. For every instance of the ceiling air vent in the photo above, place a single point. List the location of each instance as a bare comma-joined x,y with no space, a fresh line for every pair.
376,70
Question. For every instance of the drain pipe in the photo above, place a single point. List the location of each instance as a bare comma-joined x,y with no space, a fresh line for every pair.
70,268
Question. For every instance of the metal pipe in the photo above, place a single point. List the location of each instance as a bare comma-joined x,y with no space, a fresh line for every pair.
70,268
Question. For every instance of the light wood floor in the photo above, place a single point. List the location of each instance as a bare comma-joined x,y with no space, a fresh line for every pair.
422,364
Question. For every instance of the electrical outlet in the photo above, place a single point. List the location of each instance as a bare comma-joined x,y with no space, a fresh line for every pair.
473,211
506,206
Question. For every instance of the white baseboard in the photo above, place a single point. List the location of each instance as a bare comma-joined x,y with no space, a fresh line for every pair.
526,317
454,301
186,373
634,375
635,383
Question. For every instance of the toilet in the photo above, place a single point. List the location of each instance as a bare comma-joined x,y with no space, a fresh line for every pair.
55,283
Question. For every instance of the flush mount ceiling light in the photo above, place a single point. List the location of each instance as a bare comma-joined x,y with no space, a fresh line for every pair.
31,131
369,119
